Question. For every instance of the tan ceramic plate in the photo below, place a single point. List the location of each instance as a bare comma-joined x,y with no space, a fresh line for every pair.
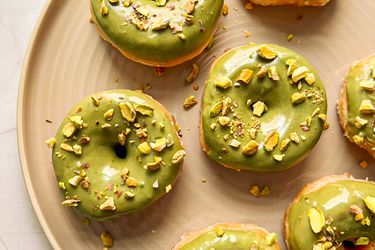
67,61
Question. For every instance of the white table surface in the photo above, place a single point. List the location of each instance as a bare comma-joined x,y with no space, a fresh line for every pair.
19,227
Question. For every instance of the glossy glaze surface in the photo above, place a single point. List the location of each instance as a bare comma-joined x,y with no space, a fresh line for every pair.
282,116
355,94
103,166
334,200
163,46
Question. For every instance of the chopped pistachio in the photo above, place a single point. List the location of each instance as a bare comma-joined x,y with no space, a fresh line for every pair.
189,102
370,203
155,165
366,107
363,164
284,144
250,148
226,105
266,52
224,120
75,180
362,241
77,149
105,237
161,3
144,148
272,73
271,140
131,182
144,109
246,76
160,24
262,71
62,185
223,84
193,74
108,205
366,221
253,133
224,10
113,1
170,140
299,73
271,238
96,100
155,185
317,220
51,142
70,203
255,243
310,78
178,156
265,191
69,129
168,188
289,37
219,231
66,147
297,98
322,117
121,138
159,144
129,195
216,109
354,209
106,125
190,6
255,190
234,143
108,114
294,137
358,217
213,126
124,173
368,85
103,9
360,122
292,65
84,140
358,139
127,111
258,108
278,157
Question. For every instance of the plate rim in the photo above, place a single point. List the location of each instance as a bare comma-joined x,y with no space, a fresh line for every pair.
20,123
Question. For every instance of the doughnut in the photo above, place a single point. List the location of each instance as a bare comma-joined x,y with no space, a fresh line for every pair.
334,212
229,236
290,2
263,108
115,153
356,106
158,33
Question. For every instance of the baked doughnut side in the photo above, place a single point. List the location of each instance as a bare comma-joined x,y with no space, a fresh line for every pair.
300,3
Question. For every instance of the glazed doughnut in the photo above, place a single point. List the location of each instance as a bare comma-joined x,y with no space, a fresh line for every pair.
263,108
291,2
229,236
330,213
115,153
158,33
356,106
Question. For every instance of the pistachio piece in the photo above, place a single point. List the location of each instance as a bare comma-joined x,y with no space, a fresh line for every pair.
246,76
190,6
168,188
224,10
370,203
121,138
75,180
278,157
144,148
155,185
127,111
271,238
297,98
219,231
131,182
226,104
62,185
299,73
51,142
255,190
161,3
292,66
265,191
294,137
96,100
193,74
144,109
106,238
106,125
284,144
160,24
84,140
317,220
69,129
253,133
129,195
258,108
124,173
189,102
66,147
358,217
250,148
170,140
363,164
113,1
154,165
77,149
159,144
272,73
366,107
103,9
362,241
262,71
310,78
108,114
359,122
70,203
255,243
224,120
178,156
234,143
213,126
108,205
368,85
271,140
216,109
223,84
266,52
358,139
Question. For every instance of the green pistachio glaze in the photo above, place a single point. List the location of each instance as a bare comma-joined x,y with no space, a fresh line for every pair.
334,200
355,94
104,165
231,240
282,116
160,46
